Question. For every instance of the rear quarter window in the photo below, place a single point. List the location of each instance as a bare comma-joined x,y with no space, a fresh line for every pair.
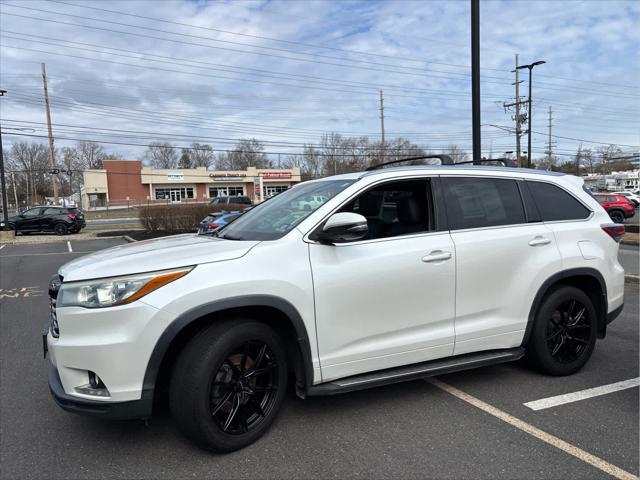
555,204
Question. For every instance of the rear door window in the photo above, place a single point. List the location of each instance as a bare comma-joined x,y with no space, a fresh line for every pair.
476,202
556,204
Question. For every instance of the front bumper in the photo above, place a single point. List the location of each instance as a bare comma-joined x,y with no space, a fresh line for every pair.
135,409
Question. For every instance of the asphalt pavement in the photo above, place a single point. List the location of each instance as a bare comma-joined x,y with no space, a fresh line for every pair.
410,430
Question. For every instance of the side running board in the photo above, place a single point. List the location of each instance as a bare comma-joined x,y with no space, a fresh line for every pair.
416,371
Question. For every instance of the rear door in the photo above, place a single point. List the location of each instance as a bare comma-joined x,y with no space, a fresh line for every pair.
49,217
503,255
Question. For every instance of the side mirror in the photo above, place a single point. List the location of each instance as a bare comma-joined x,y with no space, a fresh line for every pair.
343,227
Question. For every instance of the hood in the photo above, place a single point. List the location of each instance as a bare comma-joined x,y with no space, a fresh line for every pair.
150,255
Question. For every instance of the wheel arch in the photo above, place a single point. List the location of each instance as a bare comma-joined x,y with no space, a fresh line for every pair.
586,279
275,311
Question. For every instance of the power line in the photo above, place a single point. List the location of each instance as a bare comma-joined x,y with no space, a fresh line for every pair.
540,84
272,74
229,42
290,42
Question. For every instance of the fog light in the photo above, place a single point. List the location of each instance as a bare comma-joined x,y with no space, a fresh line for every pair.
96,387
94,380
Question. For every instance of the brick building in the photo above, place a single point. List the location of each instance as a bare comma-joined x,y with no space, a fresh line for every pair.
127,182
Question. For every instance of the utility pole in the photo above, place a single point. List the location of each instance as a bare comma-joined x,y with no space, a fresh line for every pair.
549,143
15,192
52,154
518,132
382,144
475,79
3,184
518,117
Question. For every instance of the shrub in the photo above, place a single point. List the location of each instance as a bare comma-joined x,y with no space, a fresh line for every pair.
179,218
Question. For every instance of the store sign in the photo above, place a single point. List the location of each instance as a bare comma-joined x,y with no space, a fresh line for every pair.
227,177
175,177
272,175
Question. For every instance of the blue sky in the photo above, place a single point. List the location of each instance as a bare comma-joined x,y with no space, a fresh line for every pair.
286,71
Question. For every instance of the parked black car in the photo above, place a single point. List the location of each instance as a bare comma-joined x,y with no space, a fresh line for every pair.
60,220
234,200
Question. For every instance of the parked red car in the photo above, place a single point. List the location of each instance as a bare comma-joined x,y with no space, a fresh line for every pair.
617,206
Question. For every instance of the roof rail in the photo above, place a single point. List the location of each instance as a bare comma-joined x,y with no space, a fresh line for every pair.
444,160
503,161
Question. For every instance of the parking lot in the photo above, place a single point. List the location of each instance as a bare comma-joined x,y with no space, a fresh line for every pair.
473,424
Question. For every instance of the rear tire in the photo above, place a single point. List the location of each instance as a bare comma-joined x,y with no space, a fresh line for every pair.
617,216
228,384
564,332
61,229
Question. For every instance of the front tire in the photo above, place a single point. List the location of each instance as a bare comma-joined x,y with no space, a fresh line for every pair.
228,384
564,332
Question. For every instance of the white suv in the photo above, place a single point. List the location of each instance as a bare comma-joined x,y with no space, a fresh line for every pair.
401,273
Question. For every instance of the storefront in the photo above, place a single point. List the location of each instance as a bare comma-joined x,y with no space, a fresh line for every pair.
127,183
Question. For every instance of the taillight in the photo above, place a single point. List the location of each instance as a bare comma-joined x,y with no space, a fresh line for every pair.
213,226
71,215
614,230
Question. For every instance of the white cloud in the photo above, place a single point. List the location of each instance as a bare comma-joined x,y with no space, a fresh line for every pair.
593,41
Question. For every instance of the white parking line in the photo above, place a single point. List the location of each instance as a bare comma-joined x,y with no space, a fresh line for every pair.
552,440
582,394
2,246
69,246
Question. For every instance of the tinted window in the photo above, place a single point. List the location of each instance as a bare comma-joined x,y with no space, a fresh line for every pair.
395,208
33,212
556,204
52,211
482,202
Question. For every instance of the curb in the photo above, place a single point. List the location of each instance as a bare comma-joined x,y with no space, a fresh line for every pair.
635,279
42,241
635,243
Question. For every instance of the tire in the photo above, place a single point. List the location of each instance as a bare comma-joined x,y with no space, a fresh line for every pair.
564,332
617,216
61,229
204,389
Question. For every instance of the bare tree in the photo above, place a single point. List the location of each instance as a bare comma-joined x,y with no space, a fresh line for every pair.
248,152
309,163
161,155
31,160
201,155
586,159
608,154
456,153
185,159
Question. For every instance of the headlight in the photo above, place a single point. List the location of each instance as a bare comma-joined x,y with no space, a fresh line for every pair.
109,292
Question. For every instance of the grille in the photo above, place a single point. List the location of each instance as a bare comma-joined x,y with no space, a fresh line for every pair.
54,287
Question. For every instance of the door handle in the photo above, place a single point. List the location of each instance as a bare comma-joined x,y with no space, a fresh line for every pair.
538,241
436,256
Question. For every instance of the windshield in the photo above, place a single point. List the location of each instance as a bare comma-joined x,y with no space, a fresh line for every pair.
277,216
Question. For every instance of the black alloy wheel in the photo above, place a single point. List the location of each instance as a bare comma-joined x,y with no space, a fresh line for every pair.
568,331
564,331
61,229
244,388
229,383
617,216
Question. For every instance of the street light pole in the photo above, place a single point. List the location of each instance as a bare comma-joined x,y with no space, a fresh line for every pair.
530,68
3,183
